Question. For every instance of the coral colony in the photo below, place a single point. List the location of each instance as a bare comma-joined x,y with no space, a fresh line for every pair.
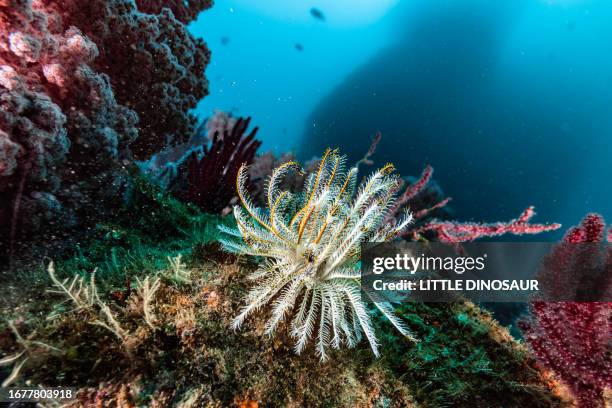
453,232
210,174
85,87
573,338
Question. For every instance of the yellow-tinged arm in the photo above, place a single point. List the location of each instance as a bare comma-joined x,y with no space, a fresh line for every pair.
314,187
246,204
304,222
275,174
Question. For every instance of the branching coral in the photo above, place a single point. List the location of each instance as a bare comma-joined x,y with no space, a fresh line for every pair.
427,200
147,289
312,243
573,338
17,363
453,232
84,297
178,272
210,178
29,349
419,188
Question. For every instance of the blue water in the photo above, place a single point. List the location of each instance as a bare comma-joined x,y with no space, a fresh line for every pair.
511,102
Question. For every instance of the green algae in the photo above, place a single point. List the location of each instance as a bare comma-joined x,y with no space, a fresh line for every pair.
463,359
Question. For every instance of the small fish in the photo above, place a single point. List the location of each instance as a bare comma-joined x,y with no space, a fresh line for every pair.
318,14
299,47
225,40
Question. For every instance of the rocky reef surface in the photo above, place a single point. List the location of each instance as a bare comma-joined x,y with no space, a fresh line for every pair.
191,356
152,327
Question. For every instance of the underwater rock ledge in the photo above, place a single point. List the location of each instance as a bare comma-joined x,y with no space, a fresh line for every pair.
191,357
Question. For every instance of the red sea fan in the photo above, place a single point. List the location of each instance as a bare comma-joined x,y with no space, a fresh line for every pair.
211,176
448,231
574,339
420,196
455,232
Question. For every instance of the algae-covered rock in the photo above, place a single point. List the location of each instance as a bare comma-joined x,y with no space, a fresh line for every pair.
191,357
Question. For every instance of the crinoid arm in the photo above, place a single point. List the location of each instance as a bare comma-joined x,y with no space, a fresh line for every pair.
310,243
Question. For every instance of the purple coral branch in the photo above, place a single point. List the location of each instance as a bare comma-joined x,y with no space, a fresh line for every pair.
211,178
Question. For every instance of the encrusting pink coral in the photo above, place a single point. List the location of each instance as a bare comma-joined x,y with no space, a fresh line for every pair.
573,338
84,88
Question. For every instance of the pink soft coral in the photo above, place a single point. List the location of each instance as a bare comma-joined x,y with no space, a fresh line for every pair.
84,88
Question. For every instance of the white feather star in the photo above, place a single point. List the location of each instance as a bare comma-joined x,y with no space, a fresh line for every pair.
311,242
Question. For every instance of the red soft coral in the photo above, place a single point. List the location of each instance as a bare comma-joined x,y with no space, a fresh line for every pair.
573,339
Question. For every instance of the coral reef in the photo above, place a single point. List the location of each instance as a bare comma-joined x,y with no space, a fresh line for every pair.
194,358
85,87
211,175
143,312
573,338
163,284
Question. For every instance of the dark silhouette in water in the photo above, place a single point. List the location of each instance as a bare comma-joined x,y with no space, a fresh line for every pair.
499,139
318,14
